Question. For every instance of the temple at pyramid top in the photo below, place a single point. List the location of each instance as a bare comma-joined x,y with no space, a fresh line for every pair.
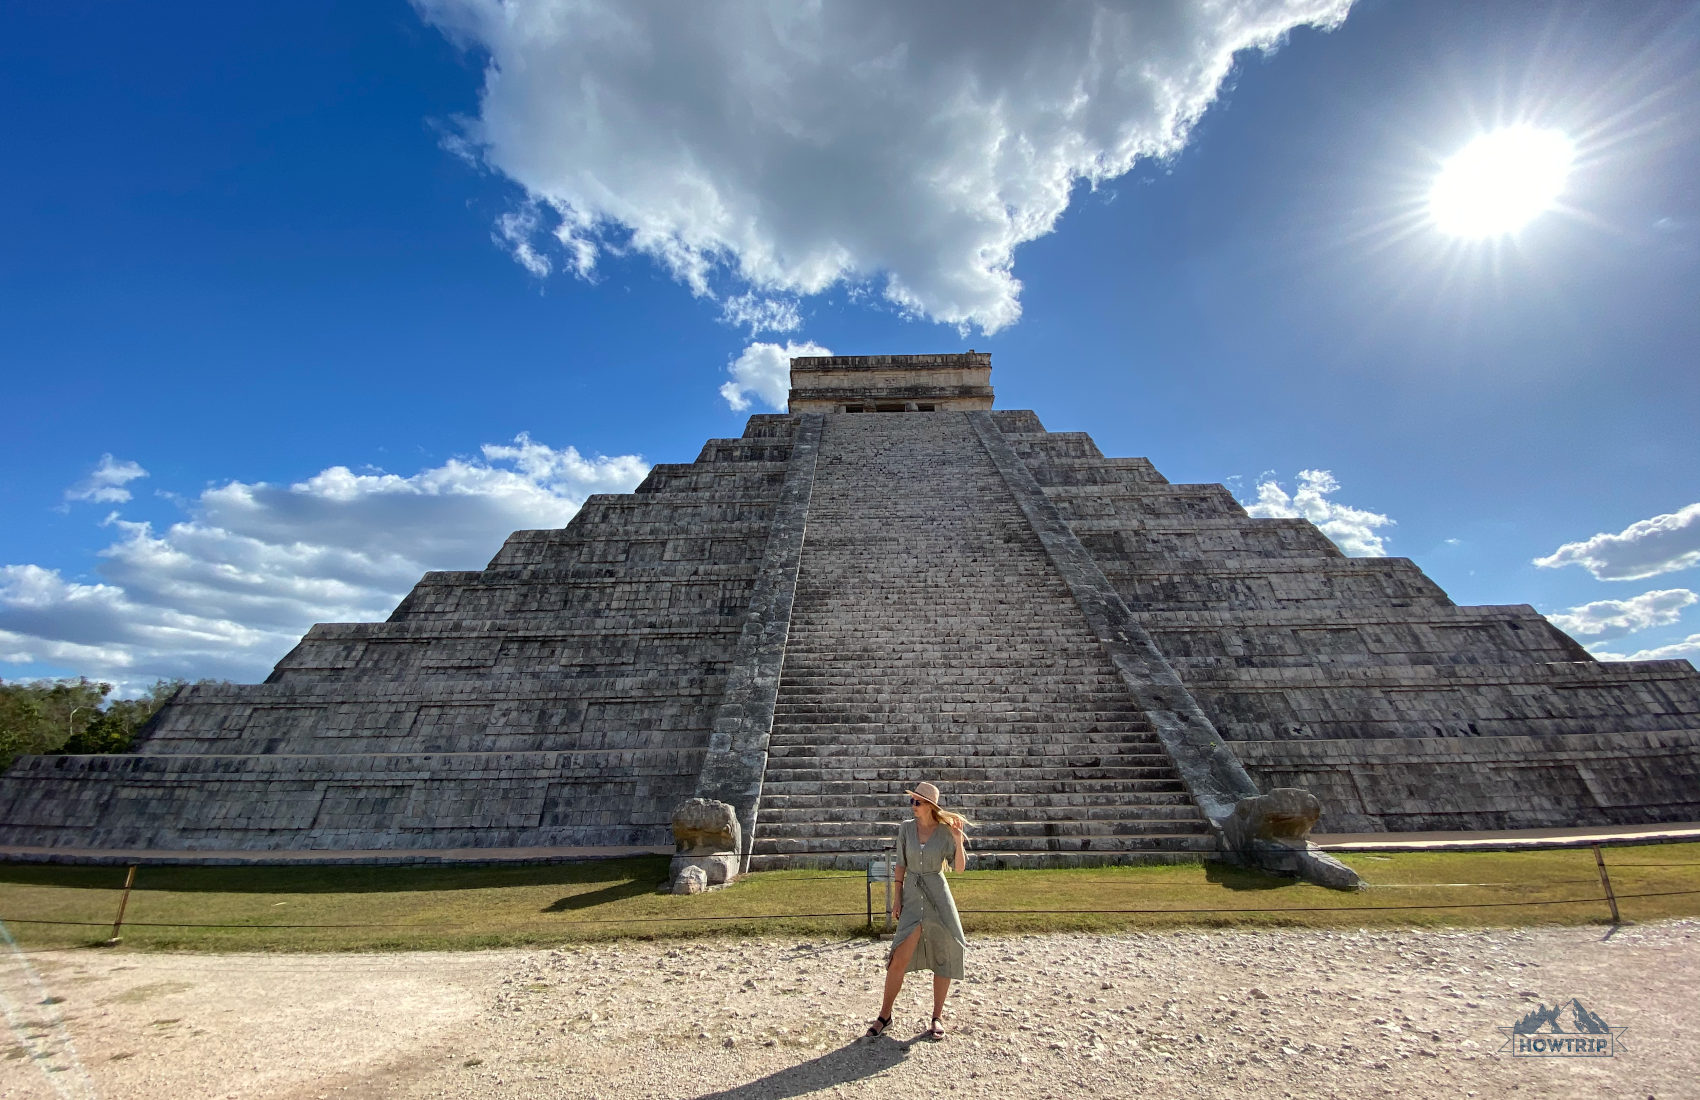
953,382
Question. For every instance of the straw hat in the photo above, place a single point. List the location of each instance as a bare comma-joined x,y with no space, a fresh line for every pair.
926,792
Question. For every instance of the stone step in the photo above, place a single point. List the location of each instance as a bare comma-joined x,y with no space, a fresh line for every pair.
1180,839
830,688
995,820
823,687
966,697
969,737
975,669
992,713
1005,775
854,791
877,632
1004,677
982,723
922,656
1147,793
958,586
995,832
967,727
964,732
921,755
1083,706
1004,674
871,642
1182,849
989,720
991,708
903,707
1057,657
930,604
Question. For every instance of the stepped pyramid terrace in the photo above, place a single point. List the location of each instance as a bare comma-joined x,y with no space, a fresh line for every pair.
895,581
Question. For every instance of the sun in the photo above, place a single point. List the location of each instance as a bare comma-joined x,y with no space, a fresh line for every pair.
1500,182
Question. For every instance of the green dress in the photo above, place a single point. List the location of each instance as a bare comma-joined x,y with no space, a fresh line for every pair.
927,903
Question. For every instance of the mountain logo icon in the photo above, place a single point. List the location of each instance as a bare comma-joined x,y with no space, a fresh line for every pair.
1566,1030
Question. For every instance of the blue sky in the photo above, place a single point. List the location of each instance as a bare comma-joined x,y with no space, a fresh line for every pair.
299,301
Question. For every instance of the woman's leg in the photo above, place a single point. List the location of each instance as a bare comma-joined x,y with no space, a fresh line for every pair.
941,989
896,968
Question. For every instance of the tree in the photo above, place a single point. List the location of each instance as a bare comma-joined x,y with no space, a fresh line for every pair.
74,716
114,729
20,723
42,715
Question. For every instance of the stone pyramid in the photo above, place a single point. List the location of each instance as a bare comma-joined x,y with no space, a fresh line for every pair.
894,582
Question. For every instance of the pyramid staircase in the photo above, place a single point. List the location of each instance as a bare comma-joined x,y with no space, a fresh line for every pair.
932,639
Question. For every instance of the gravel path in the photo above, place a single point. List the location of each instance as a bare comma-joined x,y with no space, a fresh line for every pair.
1232,1014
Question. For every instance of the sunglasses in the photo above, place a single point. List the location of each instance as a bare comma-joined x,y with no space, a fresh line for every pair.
919,802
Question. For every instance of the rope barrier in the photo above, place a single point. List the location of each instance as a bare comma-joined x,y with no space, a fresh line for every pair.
434,927
855,878
851,876
1594,900
1616,864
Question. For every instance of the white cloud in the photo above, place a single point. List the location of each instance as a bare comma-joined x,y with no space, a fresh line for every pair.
1687,649
227,591
514,231
1353,530
764,370
106,484
1646,548
792,146
761,314
1618,617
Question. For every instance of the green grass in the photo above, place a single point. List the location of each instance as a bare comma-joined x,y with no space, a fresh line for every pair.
436,908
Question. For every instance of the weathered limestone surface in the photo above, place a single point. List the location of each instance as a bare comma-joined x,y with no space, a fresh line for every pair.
1272,832
933,638
1093,663
890,383
736,761
560,697
707,845
1358,680
1213,777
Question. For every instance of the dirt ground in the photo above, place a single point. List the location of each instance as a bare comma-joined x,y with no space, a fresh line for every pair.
1231,1014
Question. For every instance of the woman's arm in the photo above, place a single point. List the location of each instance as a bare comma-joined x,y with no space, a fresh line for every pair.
959,859
901,864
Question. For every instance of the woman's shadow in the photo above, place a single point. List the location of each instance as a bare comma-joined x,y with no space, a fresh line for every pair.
848,1063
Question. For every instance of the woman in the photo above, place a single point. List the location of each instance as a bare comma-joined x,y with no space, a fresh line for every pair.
929,932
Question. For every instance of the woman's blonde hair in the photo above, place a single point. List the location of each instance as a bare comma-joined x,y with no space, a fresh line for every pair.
949,818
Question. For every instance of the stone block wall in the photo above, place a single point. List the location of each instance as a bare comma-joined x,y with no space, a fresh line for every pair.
561,696
835,605
1357,678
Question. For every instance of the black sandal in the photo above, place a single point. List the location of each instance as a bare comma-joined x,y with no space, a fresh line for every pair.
936,1032
877,1028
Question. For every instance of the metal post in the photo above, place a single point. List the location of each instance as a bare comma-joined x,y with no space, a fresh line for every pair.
123,903
1605,880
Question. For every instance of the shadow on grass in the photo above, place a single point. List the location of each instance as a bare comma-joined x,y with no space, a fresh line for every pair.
852,1062
590,899
284,879
1244,878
